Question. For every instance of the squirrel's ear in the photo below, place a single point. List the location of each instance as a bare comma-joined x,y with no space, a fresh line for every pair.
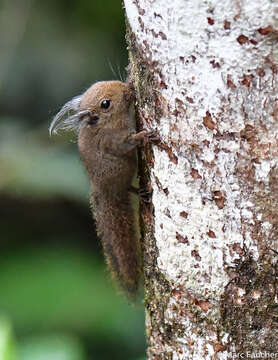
66,118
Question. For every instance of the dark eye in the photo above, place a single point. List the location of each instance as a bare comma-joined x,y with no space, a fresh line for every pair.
105,104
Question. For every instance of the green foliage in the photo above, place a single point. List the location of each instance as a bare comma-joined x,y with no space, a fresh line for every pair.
55,292
30,166
7,344
45,347
51,347
64,289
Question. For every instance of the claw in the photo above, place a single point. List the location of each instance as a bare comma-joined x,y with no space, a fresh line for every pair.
144,195
146,137
152,137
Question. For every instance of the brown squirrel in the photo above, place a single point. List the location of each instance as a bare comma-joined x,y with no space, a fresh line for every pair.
107,142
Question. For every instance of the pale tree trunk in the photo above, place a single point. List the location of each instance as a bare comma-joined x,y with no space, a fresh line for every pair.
206,79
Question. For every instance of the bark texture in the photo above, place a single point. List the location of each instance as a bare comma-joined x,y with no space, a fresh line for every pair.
206,79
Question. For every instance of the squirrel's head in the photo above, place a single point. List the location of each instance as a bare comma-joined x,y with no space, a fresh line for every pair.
104,104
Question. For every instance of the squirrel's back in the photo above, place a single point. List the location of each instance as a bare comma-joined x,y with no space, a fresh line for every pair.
117,226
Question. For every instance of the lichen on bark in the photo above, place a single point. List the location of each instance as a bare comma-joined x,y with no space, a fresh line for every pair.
207,82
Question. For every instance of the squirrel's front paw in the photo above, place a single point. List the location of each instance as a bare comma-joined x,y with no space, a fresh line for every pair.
144,194
151,137
146,137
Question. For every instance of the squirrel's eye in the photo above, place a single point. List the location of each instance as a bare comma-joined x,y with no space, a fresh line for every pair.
105,104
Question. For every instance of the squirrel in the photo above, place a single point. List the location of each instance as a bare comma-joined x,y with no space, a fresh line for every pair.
107,143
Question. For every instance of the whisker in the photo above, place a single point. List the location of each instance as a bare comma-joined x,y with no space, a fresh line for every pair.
112,69
119,72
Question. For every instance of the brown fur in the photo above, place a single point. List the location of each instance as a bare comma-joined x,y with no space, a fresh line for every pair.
108,150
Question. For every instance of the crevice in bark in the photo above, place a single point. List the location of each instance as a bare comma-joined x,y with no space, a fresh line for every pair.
157,288
249,305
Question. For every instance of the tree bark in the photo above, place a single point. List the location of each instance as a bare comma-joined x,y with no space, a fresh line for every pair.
206,79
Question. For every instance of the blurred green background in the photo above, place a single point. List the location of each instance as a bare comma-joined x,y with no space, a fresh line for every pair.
57,301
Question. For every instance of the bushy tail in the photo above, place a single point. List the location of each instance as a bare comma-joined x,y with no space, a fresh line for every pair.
116,227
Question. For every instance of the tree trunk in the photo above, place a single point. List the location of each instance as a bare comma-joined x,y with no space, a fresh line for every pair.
206,79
